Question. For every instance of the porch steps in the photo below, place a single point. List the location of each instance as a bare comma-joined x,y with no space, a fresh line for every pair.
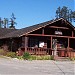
62,59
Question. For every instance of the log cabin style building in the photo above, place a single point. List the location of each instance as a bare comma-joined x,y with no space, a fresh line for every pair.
41,39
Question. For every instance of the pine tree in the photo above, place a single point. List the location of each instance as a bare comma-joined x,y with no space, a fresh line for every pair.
65,13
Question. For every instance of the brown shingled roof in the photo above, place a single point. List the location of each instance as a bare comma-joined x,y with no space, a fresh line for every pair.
4,31
8,33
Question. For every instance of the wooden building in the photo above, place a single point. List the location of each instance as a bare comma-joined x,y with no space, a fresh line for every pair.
42,39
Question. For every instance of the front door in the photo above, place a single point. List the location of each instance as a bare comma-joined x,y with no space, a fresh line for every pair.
59,46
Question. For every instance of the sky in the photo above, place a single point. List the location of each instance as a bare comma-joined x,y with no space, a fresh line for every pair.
31,12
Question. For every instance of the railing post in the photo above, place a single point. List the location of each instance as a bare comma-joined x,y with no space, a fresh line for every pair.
51,47
70,53
26,43
51,42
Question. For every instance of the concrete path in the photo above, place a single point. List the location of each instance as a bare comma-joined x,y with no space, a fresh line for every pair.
37,67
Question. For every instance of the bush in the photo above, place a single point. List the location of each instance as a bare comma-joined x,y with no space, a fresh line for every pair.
72,58
19,57
39,58
51,57
26,56
2,52
45,57
33,57
11,54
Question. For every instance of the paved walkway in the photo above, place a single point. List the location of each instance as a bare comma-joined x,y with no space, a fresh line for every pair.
37,67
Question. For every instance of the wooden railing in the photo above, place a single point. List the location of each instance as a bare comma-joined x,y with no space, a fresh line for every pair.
48,51
71,53
39,51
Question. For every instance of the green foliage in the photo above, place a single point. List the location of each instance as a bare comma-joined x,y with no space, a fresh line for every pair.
65,13
26,56
39,58
4,23
19,57
2,52
47,57
73,59
51,57
43,57
11,54
33,57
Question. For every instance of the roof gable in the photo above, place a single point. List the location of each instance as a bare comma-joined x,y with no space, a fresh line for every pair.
6,33
44,24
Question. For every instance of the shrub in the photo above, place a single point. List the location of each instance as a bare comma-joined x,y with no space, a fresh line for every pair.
39,58
45,57
26,56
19,57
33,57
73,58
11,54
52,57
2,52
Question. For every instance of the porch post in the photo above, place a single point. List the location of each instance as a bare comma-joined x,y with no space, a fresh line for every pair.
51,42
68,42
68,48
43,31
52,51
11,44
26,43
72,33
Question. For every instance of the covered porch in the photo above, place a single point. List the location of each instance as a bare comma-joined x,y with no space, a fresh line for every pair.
43,45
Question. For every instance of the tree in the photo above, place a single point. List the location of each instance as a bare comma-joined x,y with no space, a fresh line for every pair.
12,21
73,15
5,22
1,22
65,13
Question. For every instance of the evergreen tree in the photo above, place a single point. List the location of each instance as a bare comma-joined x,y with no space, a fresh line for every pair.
65,13
5,22
1,22
12,21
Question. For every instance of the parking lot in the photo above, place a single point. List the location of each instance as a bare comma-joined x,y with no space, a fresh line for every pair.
36,67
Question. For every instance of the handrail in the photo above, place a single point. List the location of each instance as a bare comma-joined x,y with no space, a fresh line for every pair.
38,51
48,51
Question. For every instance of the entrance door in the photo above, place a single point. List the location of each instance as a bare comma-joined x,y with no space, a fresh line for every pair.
61,47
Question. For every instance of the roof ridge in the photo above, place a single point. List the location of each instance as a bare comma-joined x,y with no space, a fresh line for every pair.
29,29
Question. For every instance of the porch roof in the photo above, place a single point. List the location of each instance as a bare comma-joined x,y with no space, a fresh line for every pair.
12,33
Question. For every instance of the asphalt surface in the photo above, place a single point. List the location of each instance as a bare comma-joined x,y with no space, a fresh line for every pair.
37,67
